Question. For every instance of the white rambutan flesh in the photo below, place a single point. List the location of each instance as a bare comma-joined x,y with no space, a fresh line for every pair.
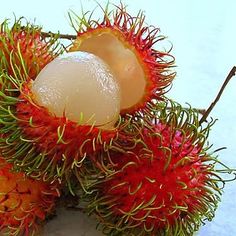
123,61
80,86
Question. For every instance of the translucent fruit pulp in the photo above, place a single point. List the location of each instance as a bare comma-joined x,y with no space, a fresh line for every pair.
123,61
80,86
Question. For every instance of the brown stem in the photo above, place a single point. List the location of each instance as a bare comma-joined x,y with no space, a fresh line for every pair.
61,36
201,111
209,109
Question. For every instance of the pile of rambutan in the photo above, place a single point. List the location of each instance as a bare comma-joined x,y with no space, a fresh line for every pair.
92,120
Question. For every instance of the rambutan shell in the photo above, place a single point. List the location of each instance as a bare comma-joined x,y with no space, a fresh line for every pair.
25,202
127,46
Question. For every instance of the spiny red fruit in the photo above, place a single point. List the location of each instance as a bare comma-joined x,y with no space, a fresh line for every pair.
39,142
24,202
164,185
58,143
45,145
80,86
126,44
157,183
25,43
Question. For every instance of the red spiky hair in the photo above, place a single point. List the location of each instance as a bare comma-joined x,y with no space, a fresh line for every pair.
39,142
25,41
164,185
128,33
24,202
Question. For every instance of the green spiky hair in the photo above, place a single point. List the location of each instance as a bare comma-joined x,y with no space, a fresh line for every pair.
136,37
33,139
41,144
23,42
166,184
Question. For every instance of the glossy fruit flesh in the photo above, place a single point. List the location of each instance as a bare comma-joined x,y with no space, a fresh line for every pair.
81,87
123,61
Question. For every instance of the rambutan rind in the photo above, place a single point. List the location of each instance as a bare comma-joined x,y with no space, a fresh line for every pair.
24,202
167,184
42,144
135,37
25,42
35,140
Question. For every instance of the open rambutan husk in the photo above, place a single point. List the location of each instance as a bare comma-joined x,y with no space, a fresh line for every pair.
163,182
127,45
24,202
44,145
35,140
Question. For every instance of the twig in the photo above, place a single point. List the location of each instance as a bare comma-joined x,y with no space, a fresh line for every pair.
209,109
201,111
61,36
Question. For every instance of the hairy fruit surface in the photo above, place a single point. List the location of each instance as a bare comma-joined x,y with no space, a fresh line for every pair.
25,42
24,202
34,139
43,144
127,45
165,184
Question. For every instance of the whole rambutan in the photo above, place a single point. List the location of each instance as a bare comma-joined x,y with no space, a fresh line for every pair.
127,45
24,202
24,42
165,184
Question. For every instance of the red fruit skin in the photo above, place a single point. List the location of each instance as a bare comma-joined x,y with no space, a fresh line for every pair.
141,39
64,142
24,202
34,50
155,189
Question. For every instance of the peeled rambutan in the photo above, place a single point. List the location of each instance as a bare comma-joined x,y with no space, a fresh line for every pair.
127,45
24,202
165,184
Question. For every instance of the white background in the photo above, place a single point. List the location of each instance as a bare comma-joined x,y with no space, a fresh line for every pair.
203,34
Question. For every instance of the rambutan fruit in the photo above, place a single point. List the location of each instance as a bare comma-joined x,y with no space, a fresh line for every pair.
79,83
126,44
24,202
25,41
51,124
166,184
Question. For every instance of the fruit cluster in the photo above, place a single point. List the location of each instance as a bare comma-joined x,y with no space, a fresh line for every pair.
144,168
